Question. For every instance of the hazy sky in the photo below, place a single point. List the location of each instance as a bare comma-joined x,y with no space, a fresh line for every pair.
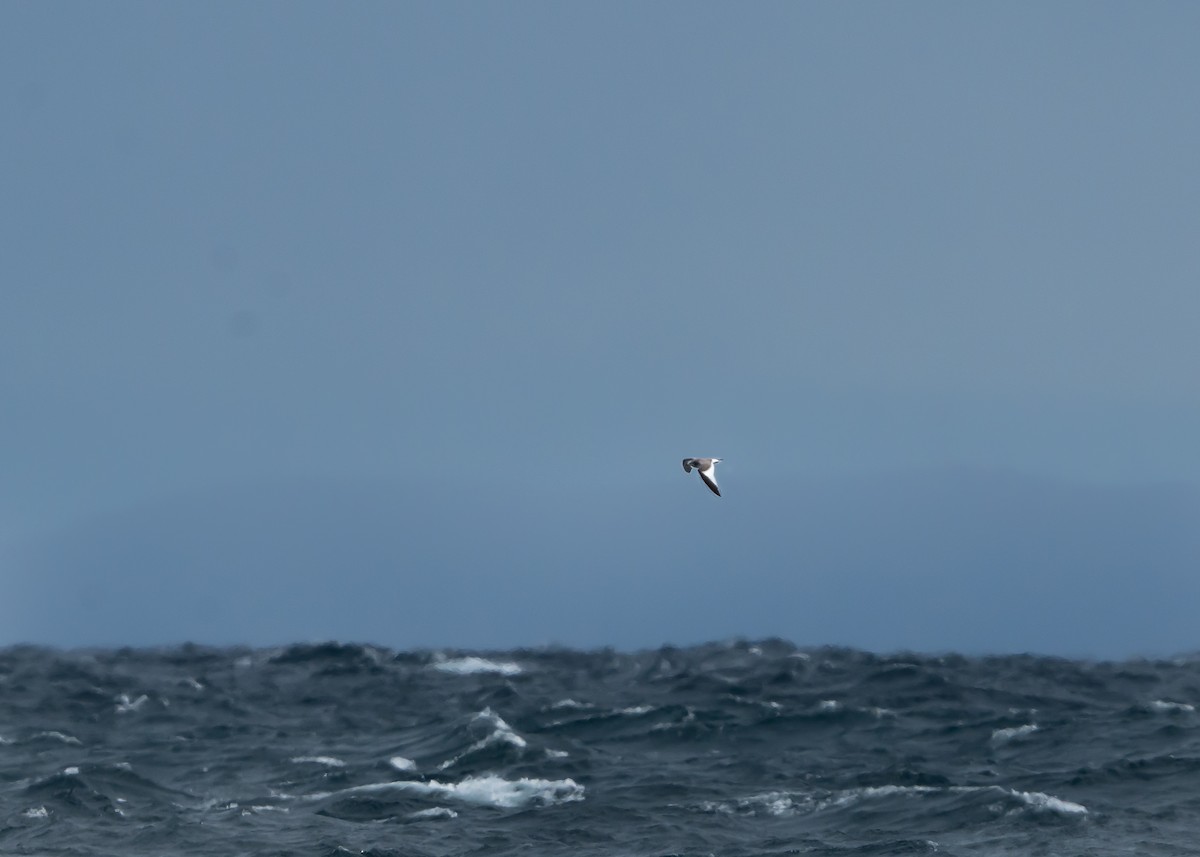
280,280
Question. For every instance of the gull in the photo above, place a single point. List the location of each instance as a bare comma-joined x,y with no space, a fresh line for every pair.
707,470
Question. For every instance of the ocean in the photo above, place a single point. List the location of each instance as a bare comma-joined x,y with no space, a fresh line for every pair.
739,748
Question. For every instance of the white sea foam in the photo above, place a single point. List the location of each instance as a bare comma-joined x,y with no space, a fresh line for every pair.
72,771
434,812
60,736
472,665
1168,707
328,761
487,790
1003,736
36,812
400,763
829,705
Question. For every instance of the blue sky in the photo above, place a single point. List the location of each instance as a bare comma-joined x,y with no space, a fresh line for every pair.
498,268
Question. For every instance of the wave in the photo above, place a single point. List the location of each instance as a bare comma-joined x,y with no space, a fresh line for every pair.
721,748
497,734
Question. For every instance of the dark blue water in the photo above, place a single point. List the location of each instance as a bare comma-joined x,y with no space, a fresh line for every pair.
726,749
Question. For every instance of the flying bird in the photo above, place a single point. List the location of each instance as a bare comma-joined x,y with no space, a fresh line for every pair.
707,468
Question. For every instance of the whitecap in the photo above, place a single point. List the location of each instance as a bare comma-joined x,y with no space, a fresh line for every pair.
125,704
775,803
492,790
886,791
570,703
400,763
758,703
829,705
328,761
60,736
434,812
1049,803
1003,736
850,796
36,812
474,665
501,733
487,790
72,771
1165,706
779,804
264,808
635,710
688,717
792,803
1034,800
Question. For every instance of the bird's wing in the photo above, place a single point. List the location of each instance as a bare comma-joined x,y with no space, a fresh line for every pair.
687,464
710,479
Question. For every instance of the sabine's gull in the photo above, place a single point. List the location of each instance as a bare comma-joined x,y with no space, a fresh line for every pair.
706,467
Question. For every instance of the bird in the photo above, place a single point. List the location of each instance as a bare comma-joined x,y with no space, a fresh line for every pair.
707,470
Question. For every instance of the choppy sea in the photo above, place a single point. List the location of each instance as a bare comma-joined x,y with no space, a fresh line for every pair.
744,748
